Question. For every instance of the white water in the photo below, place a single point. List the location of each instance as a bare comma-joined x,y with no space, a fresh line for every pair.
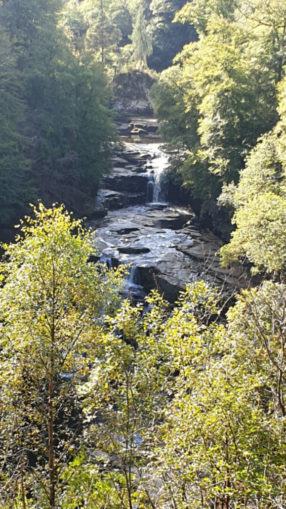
158,164
132,288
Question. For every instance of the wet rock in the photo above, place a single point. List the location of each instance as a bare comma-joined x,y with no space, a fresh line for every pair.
138,132
133,250
170,288
127,182
172,222
163,243
126,231
140,127
124,128
120,161
113,200
166,258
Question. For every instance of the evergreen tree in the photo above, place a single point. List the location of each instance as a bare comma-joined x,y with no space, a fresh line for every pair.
141,42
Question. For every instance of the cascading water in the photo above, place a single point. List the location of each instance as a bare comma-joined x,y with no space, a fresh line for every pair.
132,287
159,164
106,259
135,235
155,189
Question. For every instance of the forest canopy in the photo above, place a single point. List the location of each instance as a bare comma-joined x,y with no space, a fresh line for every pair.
56,126
103,405
221,94
58,62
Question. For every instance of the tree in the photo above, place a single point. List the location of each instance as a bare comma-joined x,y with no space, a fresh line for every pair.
15,188
100,28
62,102
123,405
225,81
168,37
187,411
259,202
52,299
221,441
141,42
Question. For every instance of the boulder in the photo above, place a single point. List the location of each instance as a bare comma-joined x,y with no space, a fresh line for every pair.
133,250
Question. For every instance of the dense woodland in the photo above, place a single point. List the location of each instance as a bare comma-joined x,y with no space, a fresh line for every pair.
58,62
104,404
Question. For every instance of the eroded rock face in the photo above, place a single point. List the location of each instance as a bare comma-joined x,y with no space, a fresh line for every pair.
126,181
132,179
132,93
108,199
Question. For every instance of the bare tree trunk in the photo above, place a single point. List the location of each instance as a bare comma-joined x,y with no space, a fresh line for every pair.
52,476
23,492
51,417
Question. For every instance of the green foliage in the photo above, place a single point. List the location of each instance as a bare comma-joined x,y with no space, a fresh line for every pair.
87,488
122,403
187,412
179,409
223,425
168,37
225,90
121,34
200,12
14,161
141,42
100,28
260,202
57,130
256,325
51,302
260,234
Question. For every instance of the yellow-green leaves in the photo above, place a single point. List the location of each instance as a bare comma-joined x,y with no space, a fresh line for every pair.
221,440
51,303
260,234
260,204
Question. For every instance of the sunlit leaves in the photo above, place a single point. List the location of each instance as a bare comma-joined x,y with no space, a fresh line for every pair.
223,428
260,204
52,299
227,91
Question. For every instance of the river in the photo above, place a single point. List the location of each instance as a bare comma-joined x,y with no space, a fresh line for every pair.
162,243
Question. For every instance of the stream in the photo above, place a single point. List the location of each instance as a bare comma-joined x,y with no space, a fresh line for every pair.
162,243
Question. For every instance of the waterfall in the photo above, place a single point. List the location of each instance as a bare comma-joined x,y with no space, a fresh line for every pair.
150,188
133,288
155,190
134,276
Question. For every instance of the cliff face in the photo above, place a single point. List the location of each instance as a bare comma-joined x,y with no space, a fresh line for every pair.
131,92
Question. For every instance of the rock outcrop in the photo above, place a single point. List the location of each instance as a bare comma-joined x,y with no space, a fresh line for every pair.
131,93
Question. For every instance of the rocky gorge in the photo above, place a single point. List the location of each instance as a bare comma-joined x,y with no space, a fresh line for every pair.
137,224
